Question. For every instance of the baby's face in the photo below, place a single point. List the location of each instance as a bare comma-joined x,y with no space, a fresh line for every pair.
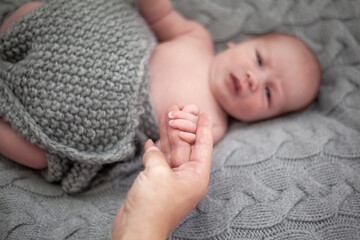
264,77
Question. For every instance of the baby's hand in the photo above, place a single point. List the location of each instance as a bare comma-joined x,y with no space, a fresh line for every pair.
185,120
177,133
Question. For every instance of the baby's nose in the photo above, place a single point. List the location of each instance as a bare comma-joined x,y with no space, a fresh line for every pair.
252,81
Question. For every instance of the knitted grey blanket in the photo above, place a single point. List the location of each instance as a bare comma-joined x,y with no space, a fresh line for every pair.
73,80
293,177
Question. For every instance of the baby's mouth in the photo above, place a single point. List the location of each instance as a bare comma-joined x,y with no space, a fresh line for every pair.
234,84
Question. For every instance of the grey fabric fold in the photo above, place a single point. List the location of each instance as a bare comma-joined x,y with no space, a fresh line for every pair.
73,80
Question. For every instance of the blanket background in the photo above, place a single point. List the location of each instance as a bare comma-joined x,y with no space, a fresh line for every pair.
294,177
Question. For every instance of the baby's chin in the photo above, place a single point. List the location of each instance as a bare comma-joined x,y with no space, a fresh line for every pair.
240,118
252,118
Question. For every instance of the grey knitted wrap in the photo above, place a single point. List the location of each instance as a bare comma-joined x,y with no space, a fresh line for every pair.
73,80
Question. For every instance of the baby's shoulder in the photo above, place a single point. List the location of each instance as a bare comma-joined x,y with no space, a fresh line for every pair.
199,31
220,126
188,49
197,36
200,35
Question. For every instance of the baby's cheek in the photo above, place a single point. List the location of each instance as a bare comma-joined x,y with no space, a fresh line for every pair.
252,109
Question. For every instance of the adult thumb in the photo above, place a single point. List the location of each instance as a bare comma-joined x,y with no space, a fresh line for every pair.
153,156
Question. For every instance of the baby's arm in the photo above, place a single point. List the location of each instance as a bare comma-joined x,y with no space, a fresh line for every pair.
21,11
178,133
166,23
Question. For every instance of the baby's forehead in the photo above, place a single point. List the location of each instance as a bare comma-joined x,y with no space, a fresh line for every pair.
276,37
280,39
286,50
288,47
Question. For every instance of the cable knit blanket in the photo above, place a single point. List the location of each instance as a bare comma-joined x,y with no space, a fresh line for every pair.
293,177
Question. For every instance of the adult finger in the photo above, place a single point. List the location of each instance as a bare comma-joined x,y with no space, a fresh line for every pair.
164,135
202,149
153,156
164,140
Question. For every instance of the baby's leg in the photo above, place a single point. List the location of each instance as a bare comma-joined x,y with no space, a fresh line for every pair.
19,13
12,145
16,148
181,129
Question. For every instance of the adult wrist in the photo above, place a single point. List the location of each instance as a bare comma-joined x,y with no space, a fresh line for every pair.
128,225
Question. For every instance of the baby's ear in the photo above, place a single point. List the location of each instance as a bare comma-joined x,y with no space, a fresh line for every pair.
230,44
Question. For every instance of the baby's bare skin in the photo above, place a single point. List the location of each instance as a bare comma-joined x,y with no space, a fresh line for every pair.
178,133
179,76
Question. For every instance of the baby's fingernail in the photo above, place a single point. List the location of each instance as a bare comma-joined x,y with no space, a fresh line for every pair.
171,122
171,115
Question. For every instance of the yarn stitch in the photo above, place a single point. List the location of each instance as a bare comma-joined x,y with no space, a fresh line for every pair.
73,80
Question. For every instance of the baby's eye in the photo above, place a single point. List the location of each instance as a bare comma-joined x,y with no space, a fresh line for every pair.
259,59
268,93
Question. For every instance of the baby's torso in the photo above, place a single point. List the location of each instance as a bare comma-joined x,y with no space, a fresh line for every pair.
179,75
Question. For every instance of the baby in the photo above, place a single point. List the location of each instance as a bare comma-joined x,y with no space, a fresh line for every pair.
257,79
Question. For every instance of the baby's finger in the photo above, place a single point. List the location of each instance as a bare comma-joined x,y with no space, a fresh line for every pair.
191,108
187,137
183,125
183,115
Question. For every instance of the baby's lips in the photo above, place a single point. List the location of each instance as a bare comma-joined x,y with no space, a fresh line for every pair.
240,77
233,84
237,83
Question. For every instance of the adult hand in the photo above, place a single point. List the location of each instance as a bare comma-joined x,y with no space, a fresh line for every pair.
160,196
178,133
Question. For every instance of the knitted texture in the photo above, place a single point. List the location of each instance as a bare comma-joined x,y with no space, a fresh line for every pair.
293,177
73,80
